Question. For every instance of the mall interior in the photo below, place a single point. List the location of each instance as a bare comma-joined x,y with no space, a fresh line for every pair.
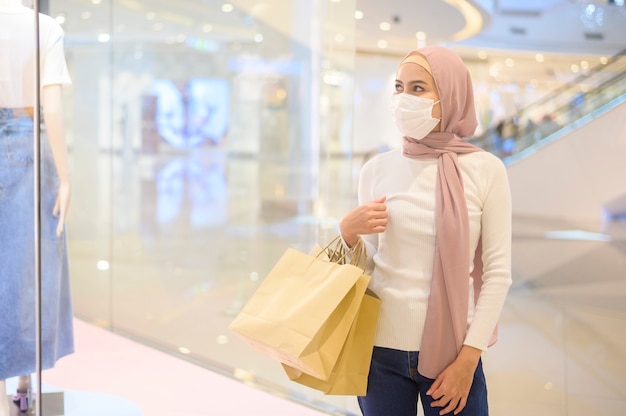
205,137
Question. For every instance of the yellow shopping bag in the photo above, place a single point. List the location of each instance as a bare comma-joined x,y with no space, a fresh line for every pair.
349,376
302,312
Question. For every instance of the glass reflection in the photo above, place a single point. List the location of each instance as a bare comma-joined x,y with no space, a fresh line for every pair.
199,144
193,113
191,190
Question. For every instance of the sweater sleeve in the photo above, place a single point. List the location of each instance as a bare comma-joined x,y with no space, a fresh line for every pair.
366,194
496,256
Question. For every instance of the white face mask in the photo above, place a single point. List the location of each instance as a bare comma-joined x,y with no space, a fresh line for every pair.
413,115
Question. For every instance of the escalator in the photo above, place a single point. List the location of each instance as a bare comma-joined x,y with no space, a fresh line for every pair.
574,104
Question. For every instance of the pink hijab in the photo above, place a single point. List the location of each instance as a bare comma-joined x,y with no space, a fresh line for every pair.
446,316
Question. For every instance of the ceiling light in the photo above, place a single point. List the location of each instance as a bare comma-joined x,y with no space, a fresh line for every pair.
382,44
384,26
421,39
604,60
334,78
96,2
258,38
539,57
103,265
584,64
60,18
104,37
358,15
592,16
227,7
281,94
473,19
494,70
575,68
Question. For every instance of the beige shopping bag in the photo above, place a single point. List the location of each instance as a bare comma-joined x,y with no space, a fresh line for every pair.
302,312
349,376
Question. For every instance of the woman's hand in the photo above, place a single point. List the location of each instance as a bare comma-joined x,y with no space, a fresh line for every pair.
62,205
451,388
369,218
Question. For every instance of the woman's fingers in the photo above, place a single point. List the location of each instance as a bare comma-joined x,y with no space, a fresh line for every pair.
368,218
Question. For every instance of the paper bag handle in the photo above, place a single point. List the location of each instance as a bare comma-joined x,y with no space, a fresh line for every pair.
337,253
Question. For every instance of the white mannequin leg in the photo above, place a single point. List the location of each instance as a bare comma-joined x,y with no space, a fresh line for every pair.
4,402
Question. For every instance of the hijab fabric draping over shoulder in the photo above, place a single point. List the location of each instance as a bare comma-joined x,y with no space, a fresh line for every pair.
446,316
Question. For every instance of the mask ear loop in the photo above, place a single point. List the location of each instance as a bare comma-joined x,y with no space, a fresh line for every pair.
434,104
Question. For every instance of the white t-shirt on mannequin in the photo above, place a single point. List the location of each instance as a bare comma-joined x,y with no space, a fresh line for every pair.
17,46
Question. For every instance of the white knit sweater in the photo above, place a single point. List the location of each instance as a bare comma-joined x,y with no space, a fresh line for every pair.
400,260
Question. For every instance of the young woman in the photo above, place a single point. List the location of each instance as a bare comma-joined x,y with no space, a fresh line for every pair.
430,214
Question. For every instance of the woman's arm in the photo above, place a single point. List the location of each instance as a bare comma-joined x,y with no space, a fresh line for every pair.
366,220
496,257
451,388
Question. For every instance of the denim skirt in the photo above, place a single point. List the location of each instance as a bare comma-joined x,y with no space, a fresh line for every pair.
17,255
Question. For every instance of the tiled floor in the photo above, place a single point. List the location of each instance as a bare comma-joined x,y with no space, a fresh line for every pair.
173,278
109,375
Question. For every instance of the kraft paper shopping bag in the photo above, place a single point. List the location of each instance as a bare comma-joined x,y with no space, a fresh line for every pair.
302,312
349,377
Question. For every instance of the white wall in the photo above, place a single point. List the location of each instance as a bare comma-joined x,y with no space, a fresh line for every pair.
575,176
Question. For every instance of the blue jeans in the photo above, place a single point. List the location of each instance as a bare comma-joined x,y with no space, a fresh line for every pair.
394,386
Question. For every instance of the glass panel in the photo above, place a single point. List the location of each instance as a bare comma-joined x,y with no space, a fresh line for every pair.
19,246
204,140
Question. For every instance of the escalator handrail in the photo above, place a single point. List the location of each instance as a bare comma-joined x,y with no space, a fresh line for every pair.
575,82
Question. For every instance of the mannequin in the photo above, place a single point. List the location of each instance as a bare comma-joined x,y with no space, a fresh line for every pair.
17,329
